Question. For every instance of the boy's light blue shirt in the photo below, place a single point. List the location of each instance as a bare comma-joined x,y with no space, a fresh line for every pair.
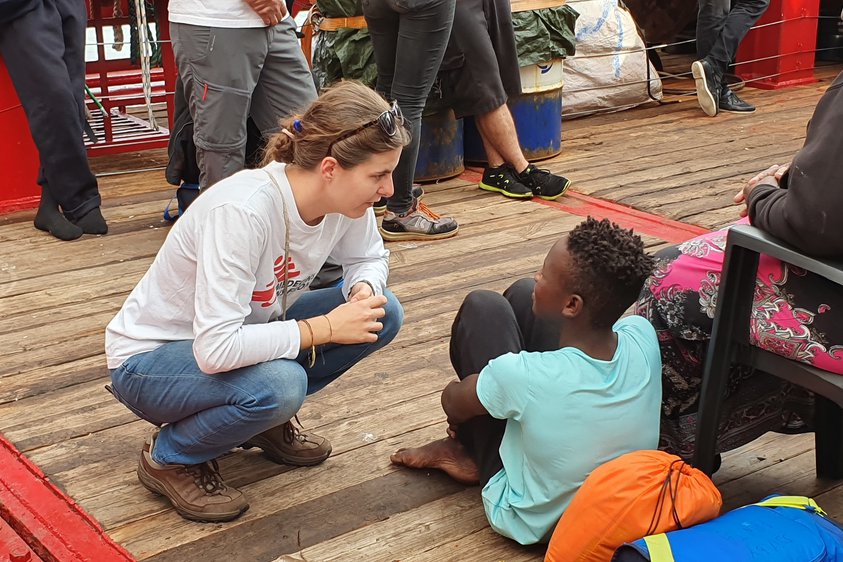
567,414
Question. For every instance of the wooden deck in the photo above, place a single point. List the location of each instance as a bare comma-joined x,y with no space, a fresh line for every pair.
56,298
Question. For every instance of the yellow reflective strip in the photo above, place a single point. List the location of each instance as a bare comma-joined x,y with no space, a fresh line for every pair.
659,548
798,502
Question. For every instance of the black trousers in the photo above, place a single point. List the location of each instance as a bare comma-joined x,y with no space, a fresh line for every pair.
487,326
409,40
44,51
722,25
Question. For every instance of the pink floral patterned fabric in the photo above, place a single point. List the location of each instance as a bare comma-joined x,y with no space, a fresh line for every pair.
796,314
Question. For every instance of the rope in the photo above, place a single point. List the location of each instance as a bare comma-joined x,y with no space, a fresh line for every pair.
145,50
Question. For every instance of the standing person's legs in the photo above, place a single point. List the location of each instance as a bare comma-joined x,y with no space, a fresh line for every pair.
74,23
47,93
422,37
285,85
219,68
719,33
409,45
497,129
382,21
711,17
734,27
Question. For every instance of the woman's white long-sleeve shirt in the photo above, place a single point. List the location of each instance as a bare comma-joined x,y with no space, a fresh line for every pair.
217,280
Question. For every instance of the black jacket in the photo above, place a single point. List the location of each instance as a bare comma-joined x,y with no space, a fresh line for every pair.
807,210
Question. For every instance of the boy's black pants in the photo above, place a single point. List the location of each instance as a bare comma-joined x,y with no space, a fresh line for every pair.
487,326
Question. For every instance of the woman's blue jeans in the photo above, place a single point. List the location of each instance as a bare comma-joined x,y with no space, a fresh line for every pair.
206,415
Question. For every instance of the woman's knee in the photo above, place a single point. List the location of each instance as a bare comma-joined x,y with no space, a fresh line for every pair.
392,320
276,390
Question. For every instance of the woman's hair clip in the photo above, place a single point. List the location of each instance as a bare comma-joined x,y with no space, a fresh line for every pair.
297,125
288,134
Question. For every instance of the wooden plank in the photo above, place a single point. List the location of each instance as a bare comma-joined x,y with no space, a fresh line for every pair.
451,528
303,524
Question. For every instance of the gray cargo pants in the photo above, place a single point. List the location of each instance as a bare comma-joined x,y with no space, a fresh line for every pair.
230,74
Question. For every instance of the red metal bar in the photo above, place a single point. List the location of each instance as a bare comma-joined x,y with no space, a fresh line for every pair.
50,522
13,548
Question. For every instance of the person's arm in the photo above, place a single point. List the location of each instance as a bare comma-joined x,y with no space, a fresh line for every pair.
229,246
460,401
805,213
363,257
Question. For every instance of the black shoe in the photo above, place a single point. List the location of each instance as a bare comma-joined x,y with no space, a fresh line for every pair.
544,184
504,179
729,101
380,206
708,86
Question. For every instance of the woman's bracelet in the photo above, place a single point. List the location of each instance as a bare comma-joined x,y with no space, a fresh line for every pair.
312,344
330,329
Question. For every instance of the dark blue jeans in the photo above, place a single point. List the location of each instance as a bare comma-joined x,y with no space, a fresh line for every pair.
409,39
206,415
722,25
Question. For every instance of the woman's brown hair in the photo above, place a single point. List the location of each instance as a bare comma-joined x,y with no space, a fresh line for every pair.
339,110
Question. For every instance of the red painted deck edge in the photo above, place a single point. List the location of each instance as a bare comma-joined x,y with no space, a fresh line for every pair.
51,523
627,217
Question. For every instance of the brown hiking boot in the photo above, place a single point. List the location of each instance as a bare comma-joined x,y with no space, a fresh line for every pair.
285,444
197,491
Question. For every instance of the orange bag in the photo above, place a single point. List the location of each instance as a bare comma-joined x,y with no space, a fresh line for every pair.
633,496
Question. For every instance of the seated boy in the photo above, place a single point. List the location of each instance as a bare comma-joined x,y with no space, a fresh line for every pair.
552,383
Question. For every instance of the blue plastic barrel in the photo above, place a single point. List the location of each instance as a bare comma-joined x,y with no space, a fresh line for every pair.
538,122
440,147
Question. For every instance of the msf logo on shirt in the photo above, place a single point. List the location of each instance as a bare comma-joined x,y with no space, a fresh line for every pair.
267,297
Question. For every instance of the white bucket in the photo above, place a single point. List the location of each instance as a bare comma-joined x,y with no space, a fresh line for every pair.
542,77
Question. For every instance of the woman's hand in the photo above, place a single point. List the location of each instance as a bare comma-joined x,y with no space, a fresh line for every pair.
360,291
357,321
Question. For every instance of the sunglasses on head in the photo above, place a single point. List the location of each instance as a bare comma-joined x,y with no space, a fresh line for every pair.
389,121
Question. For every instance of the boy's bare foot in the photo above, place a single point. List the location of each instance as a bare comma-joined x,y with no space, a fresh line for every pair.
447,455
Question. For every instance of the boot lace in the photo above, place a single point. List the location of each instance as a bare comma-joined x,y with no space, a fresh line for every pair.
206,476
293,433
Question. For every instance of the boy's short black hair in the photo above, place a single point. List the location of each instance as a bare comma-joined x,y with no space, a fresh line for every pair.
609,268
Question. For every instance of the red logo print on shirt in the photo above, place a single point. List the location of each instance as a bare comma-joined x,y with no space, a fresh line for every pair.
268,296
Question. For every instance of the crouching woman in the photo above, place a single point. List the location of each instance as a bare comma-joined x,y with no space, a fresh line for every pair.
221,340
